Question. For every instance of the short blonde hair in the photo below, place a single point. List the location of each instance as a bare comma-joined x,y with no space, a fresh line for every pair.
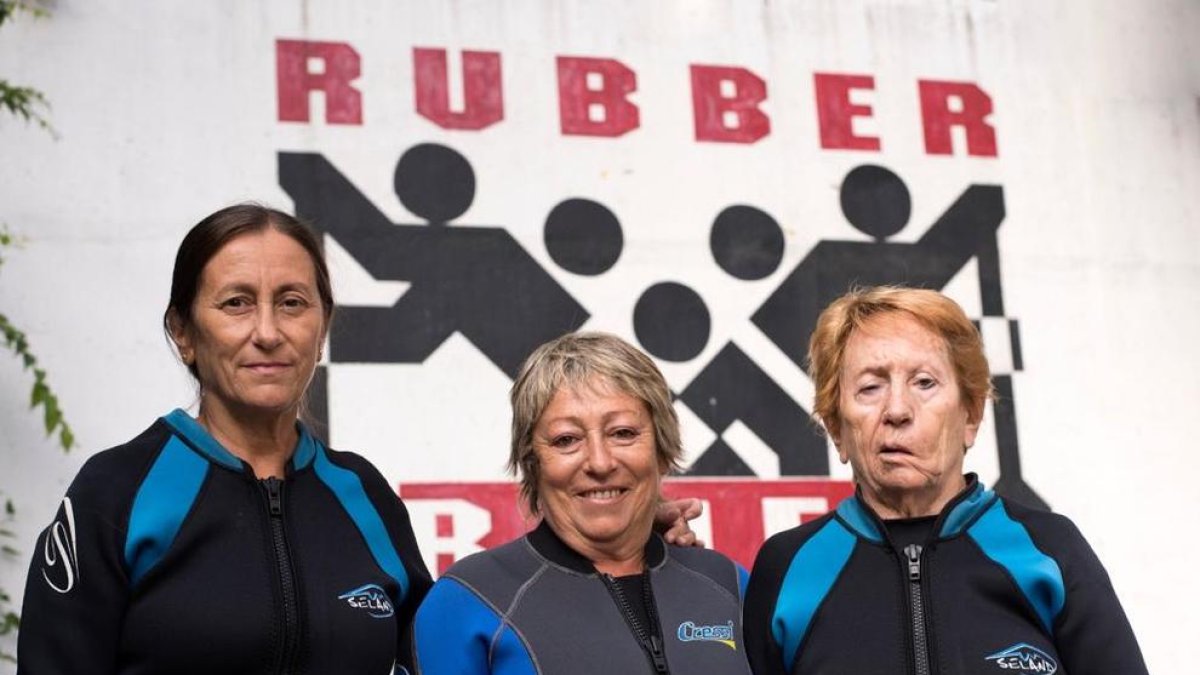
574,360
933,310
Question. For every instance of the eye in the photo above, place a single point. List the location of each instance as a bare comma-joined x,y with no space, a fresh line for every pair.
237,303
563,441
925,382
294,303
626,434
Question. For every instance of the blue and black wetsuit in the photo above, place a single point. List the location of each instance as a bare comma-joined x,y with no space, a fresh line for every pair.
169,556
993,587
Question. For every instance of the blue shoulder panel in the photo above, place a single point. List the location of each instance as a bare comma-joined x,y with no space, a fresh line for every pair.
858,519
162,502
306,448
810,575
198,436
966,510
456,633
348,488
1008,543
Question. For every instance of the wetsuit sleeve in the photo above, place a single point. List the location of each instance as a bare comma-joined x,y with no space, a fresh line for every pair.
395,518
1092,634
418,580
457,633
77,588
762,594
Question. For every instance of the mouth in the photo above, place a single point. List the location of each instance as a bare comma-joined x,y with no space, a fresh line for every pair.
266,367
894,450
603,494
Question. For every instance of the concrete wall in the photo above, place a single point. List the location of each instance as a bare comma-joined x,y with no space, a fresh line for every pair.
1063,219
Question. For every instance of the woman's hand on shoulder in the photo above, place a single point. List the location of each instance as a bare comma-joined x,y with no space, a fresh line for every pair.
671,520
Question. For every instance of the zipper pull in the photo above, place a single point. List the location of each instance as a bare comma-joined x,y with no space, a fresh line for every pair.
656,653
275,495
914,561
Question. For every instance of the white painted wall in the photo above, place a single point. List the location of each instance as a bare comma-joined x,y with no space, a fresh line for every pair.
166,111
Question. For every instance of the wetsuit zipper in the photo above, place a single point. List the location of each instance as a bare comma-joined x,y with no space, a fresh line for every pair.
651,641
916,605
287,578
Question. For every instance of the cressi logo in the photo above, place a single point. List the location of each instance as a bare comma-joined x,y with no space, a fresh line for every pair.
370,598
1024,658
722,632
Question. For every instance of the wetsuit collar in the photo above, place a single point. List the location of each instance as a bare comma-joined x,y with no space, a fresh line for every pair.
195,435
955,517
549,546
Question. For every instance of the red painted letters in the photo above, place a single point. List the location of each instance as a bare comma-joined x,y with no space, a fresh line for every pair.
600,109
835,112
593,98
973,107
294,80
483,99
714,108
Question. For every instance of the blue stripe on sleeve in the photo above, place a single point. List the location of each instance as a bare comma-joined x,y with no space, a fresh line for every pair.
348,488
162,502
810,575
1008,543
453,633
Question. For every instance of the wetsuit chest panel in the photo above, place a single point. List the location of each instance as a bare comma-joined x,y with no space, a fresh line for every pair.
977,602
574,627
862,625
211,596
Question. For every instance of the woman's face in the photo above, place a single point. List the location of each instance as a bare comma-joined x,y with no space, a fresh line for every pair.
257,325
904,426
599,474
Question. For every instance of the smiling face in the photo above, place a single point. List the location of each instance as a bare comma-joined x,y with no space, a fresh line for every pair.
257,325
599,474
904,427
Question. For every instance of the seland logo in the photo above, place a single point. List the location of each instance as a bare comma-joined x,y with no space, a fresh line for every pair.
370,598
1024,658
723,633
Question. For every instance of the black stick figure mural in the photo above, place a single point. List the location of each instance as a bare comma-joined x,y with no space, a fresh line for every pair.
480,282
876,202
477,281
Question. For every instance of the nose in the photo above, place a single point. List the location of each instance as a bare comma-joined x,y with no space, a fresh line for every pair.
897,409
599,458
266,329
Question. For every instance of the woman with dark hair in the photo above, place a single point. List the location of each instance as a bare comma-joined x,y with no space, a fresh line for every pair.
923,570
235,541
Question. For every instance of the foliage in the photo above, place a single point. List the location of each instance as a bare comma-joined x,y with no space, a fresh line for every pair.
9,620
41,393
27,104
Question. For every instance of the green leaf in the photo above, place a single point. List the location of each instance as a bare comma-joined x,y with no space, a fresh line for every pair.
52,416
